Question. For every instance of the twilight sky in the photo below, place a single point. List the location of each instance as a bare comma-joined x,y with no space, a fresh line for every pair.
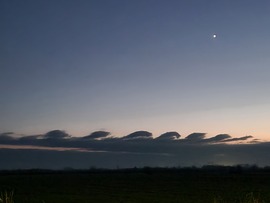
128,65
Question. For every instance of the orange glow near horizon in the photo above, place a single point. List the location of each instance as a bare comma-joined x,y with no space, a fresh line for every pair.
43,148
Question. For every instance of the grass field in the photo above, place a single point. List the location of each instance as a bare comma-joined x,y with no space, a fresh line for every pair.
137,187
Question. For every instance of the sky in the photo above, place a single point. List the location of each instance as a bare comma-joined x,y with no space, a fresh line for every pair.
125,66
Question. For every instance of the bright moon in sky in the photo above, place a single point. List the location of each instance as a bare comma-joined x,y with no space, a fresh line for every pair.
214,35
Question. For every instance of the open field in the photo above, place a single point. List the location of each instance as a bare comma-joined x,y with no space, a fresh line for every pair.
145,185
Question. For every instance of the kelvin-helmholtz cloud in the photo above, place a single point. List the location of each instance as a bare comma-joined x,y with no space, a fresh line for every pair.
57,149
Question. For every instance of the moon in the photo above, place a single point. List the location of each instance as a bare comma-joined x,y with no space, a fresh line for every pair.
214,36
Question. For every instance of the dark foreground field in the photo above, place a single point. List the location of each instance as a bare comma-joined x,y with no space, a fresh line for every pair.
137,186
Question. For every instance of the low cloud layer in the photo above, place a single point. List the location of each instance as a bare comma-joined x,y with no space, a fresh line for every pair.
140,148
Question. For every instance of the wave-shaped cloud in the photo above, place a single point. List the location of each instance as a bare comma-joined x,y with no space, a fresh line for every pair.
169,136
96,135
219,138
138,135
56,134
61,138
168,149
196,136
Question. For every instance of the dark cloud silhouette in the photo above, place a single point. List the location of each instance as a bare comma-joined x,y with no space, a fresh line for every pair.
56,134
136,149
97,135
196,136
143,140
254,141
177,155
27,159
6,136
239,139
169,136
219,138
7,133
139,135
31,137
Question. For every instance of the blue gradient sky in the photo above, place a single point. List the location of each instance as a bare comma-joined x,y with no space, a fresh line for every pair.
123,66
